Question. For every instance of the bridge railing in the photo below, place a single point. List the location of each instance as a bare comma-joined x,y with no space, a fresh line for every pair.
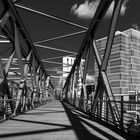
129,111
25,105
22,73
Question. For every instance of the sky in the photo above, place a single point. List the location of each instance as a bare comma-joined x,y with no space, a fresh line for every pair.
41,27
87,9
40,18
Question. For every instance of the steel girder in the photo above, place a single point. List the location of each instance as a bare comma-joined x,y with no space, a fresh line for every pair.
89,41
24,56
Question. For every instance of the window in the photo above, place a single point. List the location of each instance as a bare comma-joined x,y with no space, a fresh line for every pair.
67,60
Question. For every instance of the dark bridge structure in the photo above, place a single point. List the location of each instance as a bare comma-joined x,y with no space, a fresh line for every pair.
28,90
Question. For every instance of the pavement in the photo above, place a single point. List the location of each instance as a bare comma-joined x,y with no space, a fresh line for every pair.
56,121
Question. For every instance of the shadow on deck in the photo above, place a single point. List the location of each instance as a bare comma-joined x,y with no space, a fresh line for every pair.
58,121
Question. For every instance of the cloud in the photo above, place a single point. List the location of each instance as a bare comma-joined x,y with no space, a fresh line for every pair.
88,9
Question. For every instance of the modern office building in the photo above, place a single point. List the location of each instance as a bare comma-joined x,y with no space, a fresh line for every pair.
124,64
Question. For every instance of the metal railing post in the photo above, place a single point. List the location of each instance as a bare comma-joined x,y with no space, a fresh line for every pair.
121,111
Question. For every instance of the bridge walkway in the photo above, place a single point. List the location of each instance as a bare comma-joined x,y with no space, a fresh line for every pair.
56,121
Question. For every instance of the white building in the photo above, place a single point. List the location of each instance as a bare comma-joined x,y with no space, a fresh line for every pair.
67,65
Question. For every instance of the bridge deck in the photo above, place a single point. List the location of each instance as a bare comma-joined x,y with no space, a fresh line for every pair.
55,121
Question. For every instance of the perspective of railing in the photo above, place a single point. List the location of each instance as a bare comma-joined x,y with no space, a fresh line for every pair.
24,83
104,104
31,98
129,111
6,113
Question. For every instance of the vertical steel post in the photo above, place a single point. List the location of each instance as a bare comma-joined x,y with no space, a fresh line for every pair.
1,72
46,86
19,57
4,107
26,72
33,86
34,80
107,109
84,77
43,86
37,81
74,88
122,113
40,84
3,81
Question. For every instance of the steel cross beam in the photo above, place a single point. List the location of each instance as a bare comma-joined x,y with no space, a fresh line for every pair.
52,17
10,11
14,30
101,10
15,17
102,65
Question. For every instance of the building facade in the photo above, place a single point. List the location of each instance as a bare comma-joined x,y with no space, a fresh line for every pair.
67,65
124,64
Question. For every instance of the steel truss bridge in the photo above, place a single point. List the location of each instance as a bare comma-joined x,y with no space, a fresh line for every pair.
25,84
